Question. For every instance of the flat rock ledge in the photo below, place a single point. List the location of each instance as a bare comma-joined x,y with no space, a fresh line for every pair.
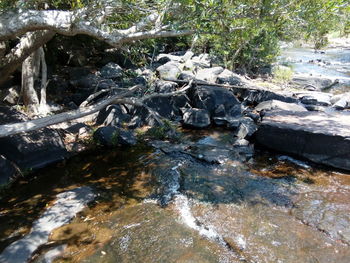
317,136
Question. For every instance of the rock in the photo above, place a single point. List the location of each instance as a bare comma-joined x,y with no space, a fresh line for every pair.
64,209
188,55
279,105
201,61
186,75
209,98
256,96
12,95
209,74
111,136
316,98
111,71
315,108
34,149
165,58
169,71
317,136
31,150
92,82
246,128
196,118
312,82
114,115
341,101
8,171
162,86
230,78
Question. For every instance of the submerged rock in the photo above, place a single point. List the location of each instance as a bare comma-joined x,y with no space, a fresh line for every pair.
320,137
66,206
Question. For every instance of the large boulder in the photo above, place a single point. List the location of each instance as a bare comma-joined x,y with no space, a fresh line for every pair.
211,97
196,118
317,136
30,150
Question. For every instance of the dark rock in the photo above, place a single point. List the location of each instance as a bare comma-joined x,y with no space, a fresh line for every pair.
186,75
162,86
30,150
169,71
320,137
279,105
230,78
315,108
92,82
114,115
256,96
246,128
196,118
112,136
8,171
111,71
209,98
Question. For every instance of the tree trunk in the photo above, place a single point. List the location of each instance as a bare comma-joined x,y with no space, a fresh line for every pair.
29,73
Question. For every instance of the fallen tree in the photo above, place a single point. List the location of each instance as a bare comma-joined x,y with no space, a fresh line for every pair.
123,98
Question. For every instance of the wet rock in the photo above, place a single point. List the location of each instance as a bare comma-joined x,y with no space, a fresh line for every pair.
209,98
209,74
169,70
115,115
112,136
111,71
310,107
246,128
230,78
162,86
8,171
66,206
196,118
317,136
279,105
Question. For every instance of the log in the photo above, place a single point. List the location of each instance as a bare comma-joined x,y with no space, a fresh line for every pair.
16,128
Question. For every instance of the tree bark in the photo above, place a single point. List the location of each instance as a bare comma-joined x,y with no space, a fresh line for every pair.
26,46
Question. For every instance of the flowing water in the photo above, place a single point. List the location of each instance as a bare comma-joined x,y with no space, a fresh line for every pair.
332,63
199,201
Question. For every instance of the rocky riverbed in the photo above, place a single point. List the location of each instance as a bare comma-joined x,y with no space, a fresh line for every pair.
185,177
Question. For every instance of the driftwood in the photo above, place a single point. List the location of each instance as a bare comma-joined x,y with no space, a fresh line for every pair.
15,128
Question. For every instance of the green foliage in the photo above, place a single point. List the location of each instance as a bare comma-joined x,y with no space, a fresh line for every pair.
282,74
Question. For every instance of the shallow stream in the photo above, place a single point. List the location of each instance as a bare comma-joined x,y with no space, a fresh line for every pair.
199,201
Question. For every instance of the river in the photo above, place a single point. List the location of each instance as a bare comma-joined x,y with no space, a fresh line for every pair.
202,200
332,63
